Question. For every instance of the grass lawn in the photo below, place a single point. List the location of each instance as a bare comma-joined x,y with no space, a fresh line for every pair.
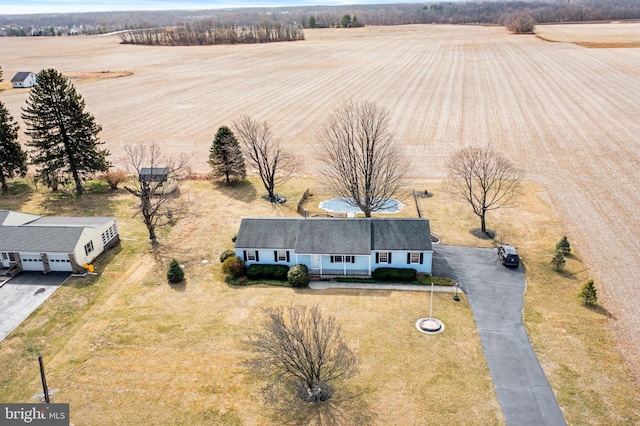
124,345
589,377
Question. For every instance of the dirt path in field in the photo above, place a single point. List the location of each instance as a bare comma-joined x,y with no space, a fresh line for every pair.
568,115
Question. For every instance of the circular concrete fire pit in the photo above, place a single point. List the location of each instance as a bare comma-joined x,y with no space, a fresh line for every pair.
430,325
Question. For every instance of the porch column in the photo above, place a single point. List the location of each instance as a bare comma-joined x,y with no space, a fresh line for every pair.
369,264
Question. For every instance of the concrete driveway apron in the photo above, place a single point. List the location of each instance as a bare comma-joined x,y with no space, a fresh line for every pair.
496,296
23,294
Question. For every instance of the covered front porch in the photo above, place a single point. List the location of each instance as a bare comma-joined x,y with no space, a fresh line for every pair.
331,266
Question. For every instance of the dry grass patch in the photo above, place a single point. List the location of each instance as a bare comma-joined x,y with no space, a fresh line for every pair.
573,342
611,35
126,341
87,77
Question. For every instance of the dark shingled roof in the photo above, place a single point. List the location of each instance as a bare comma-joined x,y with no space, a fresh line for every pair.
153,174
20,76
39,239
333,235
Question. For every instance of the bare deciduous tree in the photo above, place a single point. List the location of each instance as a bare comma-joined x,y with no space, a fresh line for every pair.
263,152
484,178
362,164
300,347
158,208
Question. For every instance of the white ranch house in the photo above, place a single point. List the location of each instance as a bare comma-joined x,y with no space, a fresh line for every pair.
23,79
337,246
31,242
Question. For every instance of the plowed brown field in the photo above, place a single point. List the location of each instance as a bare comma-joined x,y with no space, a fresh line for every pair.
569,116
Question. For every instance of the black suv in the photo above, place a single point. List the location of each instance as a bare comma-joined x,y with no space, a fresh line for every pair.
508,255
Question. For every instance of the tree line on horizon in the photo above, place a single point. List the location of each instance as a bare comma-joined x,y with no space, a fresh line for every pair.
550,11
207,32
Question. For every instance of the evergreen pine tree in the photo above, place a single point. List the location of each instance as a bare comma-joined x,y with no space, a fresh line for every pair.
13,160
225,156
64,136
564,246
558,260
589,293
175,274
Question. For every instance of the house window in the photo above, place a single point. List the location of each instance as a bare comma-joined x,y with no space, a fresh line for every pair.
383,257
251,255
342,259
415,257
12,257
281,256
88,248
109,234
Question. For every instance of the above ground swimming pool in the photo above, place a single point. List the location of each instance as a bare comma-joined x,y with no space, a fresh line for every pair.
342,206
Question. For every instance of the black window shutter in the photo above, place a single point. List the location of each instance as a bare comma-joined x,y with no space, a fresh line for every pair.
389,257
275,255
421,258
287,256
257,257
408,258
331,259
377,257
244,253
353,259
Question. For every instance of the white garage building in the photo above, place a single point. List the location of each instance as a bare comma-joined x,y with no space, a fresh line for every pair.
30,242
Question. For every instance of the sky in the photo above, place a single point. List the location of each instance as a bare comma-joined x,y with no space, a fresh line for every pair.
8,7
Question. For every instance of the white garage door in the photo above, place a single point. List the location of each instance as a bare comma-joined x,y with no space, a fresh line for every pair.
32,262
60,263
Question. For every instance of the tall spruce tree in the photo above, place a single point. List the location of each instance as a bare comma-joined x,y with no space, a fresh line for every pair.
225,156
64,136
13,160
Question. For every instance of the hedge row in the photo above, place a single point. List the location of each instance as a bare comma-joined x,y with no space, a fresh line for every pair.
394,274
267,272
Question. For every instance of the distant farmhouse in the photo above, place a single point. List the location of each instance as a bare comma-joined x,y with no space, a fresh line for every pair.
30,242
336,246
23,79
161,179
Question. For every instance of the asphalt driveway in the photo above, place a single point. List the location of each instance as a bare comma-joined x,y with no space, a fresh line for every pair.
23,294
496,296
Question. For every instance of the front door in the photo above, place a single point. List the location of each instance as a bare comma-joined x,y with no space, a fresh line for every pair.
4,260
316,260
